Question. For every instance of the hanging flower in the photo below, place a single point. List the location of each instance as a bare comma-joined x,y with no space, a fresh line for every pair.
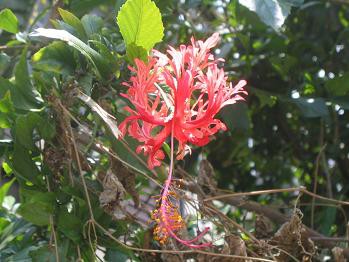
185,88
177,95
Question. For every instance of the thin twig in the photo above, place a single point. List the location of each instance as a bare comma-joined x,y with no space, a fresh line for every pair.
55,238
328,176
274,191
83,180
52,226
79,253
316,171
332,239
79,166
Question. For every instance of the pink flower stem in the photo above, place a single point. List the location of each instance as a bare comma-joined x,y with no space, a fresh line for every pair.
164,200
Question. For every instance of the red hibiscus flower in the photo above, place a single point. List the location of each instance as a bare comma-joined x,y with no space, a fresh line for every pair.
184,88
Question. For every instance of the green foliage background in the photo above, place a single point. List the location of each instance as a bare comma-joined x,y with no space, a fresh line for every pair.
292,131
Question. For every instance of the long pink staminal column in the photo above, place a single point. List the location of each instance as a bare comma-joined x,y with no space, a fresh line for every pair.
164,221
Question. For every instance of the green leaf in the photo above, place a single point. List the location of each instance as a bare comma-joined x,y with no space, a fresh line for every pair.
92,24
7,168
24,129
39,207
47,253
6,103
4,62
23,166
283,65
70,225
133,51
140,23
36,213
56,57
25,125
6,106
338,86
4,121
107,55
8,21
74,22
271,12
86,84
4,189
14,230
102,67
5,86
265,97
23,94
311,107
120,255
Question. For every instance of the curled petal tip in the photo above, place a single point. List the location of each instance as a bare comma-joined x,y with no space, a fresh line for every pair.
241,83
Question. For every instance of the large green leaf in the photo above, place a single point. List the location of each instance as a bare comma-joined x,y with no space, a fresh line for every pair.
271,12
23,94
8,21
101,64
47,253
36,213
38,207
70,225
338,86
56,57
140,23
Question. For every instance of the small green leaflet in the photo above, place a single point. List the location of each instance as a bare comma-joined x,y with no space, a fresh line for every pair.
140,23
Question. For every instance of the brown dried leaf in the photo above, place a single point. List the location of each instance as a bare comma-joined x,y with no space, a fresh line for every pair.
291,238
237,247
113,192
338,255
263,227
